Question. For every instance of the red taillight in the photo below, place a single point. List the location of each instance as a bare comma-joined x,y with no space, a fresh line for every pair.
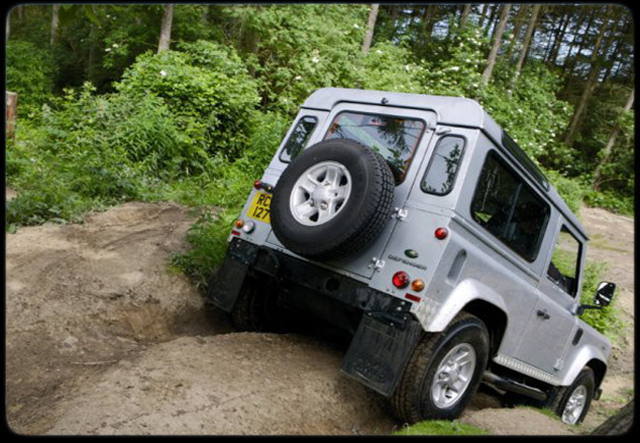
260,185
441,233
400,279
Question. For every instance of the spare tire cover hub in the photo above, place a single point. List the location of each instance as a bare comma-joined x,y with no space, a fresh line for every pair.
320,193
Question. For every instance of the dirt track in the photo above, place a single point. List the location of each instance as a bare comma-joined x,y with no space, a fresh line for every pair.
102,338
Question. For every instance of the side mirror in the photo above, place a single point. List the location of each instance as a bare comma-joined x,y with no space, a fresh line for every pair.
603,297
604,294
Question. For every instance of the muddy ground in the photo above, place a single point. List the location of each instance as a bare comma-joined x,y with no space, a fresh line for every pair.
102,337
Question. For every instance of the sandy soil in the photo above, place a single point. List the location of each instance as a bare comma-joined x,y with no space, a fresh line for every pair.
103,338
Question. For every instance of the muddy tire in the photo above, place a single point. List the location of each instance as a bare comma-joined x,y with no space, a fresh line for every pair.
571,403
332,200
255,309
443,373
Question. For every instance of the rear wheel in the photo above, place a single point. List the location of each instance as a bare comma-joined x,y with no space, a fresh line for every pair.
443,372
255,309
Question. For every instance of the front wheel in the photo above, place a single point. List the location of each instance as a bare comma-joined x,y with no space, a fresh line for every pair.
443,372
572,403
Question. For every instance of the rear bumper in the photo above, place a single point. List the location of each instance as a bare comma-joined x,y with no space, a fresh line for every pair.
386,333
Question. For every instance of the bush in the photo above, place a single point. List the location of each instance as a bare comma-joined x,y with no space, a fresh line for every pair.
30,71
206,88
86,152
228,188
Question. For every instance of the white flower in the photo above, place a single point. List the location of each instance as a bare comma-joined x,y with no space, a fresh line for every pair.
115,45
355,25
315,59
454,68
298,77
378,51
163,73
107,50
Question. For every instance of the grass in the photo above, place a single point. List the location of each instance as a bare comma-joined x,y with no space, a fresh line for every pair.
440,427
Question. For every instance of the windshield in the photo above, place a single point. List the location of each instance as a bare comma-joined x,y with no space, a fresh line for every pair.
395,138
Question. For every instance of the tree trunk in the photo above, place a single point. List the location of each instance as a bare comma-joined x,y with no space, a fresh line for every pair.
55,21
525,45
558,40
483,15
618,424
590,85
165,29
465,15
582,42
493,54
371,24
608,149
12,113
520,17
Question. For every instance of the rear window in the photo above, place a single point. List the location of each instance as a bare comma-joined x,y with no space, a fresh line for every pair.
395,138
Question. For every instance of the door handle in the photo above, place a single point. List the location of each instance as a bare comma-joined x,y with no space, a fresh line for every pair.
544,314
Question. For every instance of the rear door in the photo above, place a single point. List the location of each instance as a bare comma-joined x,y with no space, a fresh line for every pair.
402,137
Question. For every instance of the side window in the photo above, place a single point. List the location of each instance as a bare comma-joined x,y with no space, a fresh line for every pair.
563,268
298,138
505,206
441,173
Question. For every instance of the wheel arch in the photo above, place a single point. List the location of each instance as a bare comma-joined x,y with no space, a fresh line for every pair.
493,317
599,369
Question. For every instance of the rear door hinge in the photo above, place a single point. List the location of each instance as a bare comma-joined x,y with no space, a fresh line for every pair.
376,264
400,214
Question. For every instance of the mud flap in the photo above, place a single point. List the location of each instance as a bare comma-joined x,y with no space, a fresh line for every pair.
380,350
225,284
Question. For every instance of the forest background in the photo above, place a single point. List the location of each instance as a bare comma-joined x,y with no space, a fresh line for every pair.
189,102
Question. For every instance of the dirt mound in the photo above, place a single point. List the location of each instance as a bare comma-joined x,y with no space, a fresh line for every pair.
227,384
80,297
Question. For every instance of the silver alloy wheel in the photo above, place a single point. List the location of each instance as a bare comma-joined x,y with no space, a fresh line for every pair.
453,376
320,193
575,405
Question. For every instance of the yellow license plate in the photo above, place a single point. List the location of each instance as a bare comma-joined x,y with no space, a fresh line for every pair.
260,207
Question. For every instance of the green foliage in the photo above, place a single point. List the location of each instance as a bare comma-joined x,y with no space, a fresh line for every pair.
440,427
228,188
611,201
387,67
570,190
532,114
206,88
296,49
455,66
30,72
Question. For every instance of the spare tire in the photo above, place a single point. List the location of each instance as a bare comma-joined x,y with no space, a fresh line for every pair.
332,200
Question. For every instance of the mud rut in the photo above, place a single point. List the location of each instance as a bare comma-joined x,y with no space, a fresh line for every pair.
103,338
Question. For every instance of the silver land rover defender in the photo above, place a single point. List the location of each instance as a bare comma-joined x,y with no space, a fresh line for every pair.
416,224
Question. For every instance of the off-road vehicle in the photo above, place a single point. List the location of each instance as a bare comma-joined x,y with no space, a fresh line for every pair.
418,225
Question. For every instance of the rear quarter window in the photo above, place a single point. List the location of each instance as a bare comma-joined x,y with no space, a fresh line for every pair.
298,138
443,166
